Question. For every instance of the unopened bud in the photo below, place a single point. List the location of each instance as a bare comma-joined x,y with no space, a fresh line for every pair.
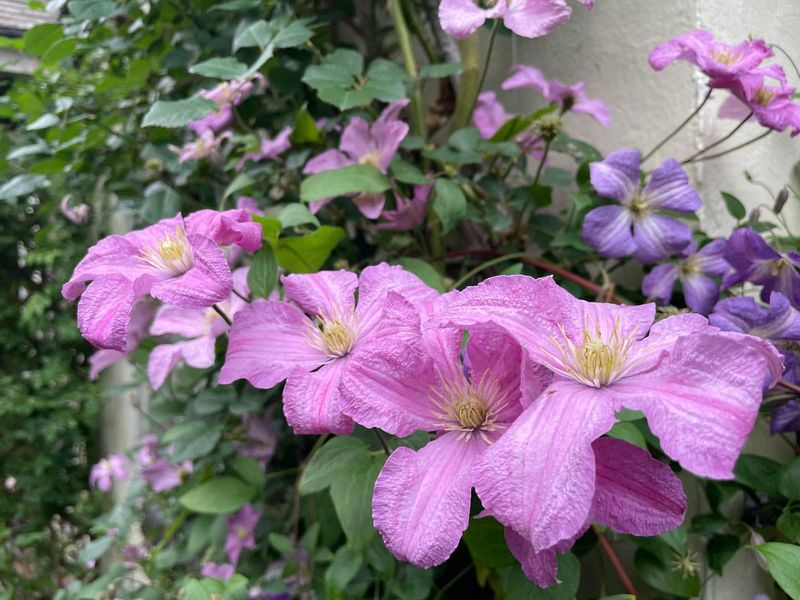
755,216
548,127
780,201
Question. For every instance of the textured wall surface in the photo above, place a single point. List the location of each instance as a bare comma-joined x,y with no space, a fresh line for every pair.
608,48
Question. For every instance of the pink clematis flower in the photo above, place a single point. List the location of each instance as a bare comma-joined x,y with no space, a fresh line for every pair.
201,327
141,315
241,529
723,63
270,149
527,18
490,115
78,214
311,345
765,93
262,439
106,470
178,261
206,145
234,91
222,571
362,143
700,389
569,97
148,451
163,476
410,212
215,121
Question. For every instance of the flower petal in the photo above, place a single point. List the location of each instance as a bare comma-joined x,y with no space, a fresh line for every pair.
370,205
327,293
493,352
461,18
376,281
540,567
104,311
607,229
267,343
657,237
700,292
635,493
525,76
539,477
658,283
617,176
535,18
312,403
357,140
421,500
330,159
669,188
187,322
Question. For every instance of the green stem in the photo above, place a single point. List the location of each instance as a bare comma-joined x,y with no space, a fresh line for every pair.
719,141
483,266
431,50
521,217
735,148
407,50
468,82
486,62
382,440
173,529
678,128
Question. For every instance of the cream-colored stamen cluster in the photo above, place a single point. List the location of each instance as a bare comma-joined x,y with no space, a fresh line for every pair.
639,206
172,254
726,57
469,406
763,96
334,335
596,361
371,158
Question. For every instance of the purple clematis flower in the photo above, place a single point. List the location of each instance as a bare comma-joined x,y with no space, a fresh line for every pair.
527,18
489,116
700,389
262,439
148,451
786,418
634,494
270,148
634,226
234,91
569,97
106,470
241,530
755,261
723,63
77,214
409,213
362,143
200,327
214,121
695,271
178,261
222,571
773,105
163,476
418,383
206,145
141,315
311,344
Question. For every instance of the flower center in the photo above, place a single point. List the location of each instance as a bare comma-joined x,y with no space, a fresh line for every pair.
335,335
172,254
371,158
469,406
638,206
242,533
763,96
725,56
690,267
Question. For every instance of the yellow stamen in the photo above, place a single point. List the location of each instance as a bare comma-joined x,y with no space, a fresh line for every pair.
763,96
335,336
371,158
470,407
172,254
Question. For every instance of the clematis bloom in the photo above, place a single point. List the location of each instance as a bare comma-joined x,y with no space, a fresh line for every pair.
362,143
141,315
178,261
313,342
695,270
163,476
489,116
634,225
106,470
206,145
766,94
241,532
270,148
699,388
409,213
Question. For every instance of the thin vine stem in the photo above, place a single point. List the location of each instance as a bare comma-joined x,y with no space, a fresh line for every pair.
222,314
539,169
735,148
486,62
407,51
788,56
725,138
616,562
679,127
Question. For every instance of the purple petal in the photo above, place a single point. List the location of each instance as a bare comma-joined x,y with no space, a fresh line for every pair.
104,312
657,237
327,293
182,321
226,228
539,477
357,141
526,77
607,229
746,251
535,18
617,176
700,292
461,18
669,188
539,567
267,342
421,500
370,205
597,109
492,352
489,115
163,359
658,283
330,159
635,493
376,281
312,403
710,259
786,418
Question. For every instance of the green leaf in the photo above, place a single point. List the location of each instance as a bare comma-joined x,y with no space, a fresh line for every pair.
178,113
194,590
345,180
789,480
95,549
241,181
425,271
43,122
720,549
262,278
449,203
485,539
407,173
160,202
351,493
91,10
630,433
59,51
270,228
250,470
782,562
218,496
655,566
39,38
292,34
789,525
346,564
307,254
517,586
22,185
193,439
440,70
757,472
333,457
258,34
735,207
296,214
220,68
237,5
305,129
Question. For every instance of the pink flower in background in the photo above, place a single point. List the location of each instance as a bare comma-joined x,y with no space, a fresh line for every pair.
723,63
163,476
765,93
699,388
207,144
141,316
200,327
490,115
270,148
527,18
415,380
313,342
241,529
148,450
78,214
222,571
106,470
409,213
234,91
214,121
569,97
174,260
362,143
262,439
